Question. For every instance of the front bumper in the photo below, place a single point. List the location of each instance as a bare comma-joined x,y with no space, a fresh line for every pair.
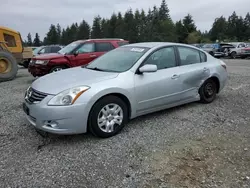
219,54
38,70
57,119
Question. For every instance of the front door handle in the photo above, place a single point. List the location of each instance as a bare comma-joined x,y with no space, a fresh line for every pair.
175,76
92,55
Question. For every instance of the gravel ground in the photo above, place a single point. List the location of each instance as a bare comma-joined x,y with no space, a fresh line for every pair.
194,145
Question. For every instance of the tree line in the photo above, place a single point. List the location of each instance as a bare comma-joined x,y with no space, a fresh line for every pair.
154,25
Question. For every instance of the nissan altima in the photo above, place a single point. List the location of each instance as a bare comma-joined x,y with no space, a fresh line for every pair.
125,83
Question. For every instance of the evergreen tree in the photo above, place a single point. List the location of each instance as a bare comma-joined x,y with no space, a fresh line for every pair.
64,39
219,29
96,28
112,26
130,32
29,40
104,28
180,32
247,27
232,26
83,31
143,26
59,33
164,11
189,24
137,26
119,29
51,36
37,41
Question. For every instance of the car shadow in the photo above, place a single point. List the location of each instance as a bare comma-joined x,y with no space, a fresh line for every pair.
50,139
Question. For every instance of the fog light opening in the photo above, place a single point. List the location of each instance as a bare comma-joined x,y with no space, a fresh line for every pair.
52,124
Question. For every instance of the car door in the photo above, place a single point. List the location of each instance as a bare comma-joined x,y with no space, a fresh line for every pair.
193,71
103,47
84,54
160,88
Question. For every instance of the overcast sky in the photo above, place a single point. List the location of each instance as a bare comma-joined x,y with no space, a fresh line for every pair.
36,15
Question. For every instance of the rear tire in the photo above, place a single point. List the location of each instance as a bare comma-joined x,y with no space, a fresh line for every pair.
208,91
108,116
8,66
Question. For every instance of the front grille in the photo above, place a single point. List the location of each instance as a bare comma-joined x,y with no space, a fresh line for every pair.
35,96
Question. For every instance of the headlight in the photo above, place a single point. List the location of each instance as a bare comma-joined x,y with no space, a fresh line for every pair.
68,97
41,62
26,92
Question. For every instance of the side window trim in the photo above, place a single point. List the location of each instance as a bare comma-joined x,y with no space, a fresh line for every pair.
143,62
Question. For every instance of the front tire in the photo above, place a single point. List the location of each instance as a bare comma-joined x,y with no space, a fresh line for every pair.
26,64
208,91
233,55
108,116
57,69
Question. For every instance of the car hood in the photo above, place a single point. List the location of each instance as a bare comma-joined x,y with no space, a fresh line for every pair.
48,56
57,82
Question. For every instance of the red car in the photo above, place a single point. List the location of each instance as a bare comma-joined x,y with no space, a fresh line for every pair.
75,54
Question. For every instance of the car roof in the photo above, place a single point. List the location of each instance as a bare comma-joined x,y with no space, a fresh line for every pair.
102,39
157,44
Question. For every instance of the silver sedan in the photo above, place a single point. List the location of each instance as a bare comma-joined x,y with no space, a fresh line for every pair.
125,83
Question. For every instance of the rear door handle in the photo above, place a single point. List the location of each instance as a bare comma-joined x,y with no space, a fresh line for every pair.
175,76
92,55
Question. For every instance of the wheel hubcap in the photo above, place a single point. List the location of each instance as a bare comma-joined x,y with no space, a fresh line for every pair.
110,117
5,66
209,90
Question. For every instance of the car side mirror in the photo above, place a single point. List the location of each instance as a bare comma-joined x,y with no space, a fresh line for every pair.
76,53
148,68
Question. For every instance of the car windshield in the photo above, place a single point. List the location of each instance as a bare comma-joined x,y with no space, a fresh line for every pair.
35,51
69,48
118,60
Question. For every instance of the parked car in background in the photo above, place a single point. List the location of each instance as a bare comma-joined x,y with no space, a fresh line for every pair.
75,54
125,83
34,51
218,49
47,49
245,53
238,50
198,45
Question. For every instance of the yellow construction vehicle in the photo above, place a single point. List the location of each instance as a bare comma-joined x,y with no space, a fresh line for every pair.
11,49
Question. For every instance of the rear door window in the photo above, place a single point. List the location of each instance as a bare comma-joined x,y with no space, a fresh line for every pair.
104,46
188,56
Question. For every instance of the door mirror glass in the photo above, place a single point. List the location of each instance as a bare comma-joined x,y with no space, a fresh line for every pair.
76,53
148,68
